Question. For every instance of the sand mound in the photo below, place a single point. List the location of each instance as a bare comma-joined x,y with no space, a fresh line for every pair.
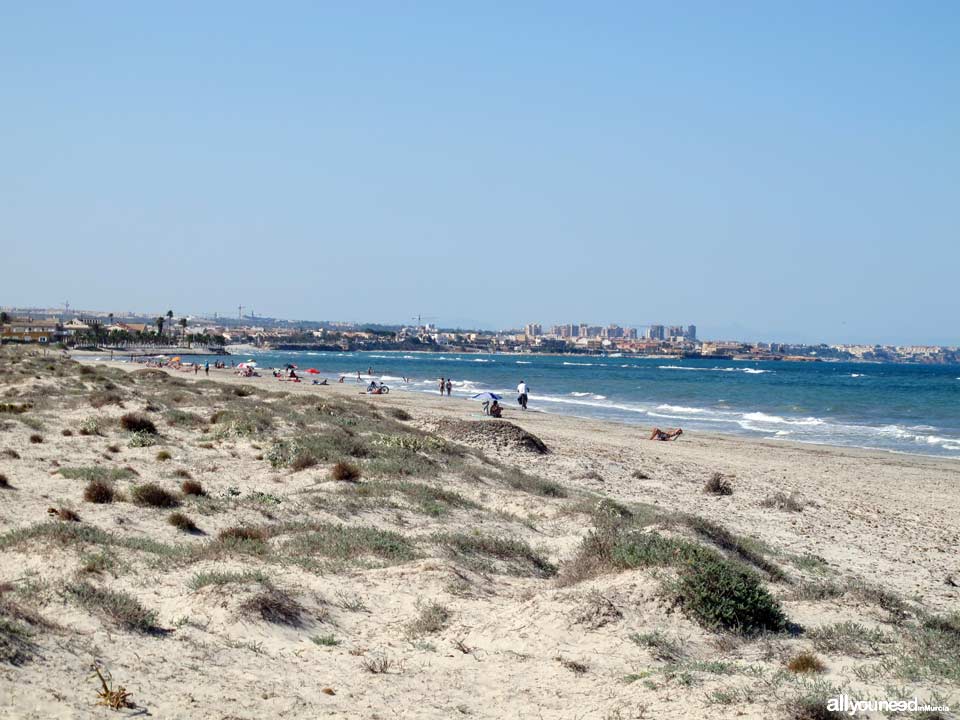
499,434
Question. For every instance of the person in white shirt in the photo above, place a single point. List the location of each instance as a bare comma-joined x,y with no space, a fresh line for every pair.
523,391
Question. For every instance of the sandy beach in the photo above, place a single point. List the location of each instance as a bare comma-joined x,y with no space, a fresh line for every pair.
452,577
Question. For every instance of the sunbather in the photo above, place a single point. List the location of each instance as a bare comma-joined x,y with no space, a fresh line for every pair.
668,434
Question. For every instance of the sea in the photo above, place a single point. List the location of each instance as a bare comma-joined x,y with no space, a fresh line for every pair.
897,408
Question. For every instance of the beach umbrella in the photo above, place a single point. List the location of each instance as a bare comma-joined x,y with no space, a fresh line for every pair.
313,371
176,359
486,396
291,367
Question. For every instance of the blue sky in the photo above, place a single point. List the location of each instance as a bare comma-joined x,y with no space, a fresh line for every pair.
764,170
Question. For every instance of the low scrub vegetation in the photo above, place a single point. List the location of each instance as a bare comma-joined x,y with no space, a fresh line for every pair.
345,472
137,423
182,522
805,662
782,501
274,606
96,472
122,609
192,487
498,554
432,618
717,484
99,492
152,495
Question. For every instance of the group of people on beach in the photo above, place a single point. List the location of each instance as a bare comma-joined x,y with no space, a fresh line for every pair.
446,385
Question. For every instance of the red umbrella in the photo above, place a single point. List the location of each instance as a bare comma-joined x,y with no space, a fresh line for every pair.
313,371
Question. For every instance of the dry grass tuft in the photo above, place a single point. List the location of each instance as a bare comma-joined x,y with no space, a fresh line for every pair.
102,398
238,533
4,482
36,438
782,501
152,495
718,485
572,665
182,522
67,432
163,456
121,608
379,664
10,454
192,487
275,606
433,618
805,662
65,514
400,414
109,696
182,474
99,492
345,472
302,461
135,422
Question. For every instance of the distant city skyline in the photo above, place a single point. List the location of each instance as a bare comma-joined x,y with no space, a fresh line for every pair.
770,170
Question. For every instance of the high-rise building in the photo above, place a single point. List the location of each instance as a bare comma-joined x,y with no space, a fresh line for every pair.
675,332
533,330
655,332
612,331
583,330
691,332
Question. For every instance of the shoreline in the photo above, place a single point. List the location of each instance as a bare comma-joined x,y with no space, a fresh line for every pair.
853,450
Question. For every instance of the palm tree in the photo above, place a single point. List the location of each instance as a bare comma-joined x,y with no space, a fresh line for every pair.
160,320
170,314
183,328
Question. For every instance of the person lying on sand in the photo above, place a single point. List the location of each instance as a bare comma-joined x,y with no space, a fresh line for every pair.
668,434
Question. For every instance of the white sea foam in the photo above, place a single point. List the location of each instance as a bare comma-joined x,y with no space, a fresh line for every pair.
680,409
578,364
776,419
523,362
749,371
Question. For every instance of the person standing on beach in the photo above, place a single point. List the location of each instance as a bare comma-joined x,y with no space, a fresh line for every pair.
523,391
449,387
206,369
442,386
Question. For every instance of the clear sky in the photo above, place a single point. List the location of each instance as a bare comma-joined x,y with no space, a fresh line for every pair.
766,170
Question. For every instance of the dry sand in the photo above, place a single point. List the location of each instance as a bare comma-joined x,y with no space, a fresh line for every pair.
493,641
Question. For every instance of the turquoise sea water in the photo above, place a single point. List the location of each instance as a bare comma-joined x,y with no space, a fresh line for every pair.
901,408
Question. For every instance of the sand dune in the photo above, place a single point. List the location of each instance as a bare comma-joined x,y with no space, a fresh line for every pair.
461,574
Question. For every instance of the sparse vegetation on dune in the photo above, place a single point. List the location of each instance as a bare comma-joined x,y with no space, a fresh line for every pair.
120,608
424,554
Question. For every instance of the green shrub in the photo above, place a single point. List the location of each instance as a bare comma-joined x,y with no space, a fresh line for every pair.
142,439
722,596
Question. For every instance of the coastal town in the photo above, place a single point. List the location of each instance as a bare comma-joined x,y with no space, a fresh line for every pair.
131,332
